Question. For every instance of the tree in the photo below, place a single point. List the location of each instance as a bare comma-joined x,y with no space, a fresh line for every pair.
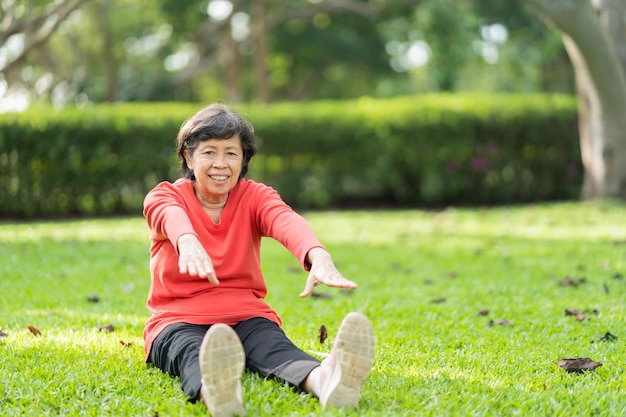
293,50
592,32
33,23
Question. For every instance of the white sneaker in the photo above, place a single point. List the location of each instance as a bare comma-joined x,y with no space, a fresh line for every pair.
222,361
343,372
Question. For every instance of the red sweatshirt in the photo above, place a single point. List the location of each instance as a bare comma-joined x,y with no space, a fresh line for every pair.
252,211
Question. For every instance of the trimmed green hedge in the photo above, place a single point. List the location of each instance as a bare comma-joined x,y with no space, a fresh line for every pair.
422,150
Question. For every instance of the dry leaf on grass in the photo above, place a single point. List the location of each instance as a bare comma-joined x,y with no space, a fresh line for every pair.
3,335
578,364
608,337
322,335
108,328
576,313
502,322
571,282
93,298
572,312
579,314
33,330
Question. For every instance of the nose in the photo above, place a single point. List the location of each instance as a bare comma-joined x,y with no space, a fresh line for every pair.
219,161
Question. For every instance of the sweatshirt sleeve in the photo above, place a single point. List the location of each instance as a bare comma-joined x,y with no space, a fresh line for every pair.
166,214
279,221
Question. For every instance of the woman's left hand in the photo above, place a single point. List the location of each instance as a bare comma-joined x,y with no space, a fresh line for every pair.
324,271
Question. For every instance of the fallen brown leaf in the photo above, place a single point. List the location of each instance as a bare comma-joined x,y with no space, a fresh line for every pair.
108,328
438,300
483,312
322,335
572,312
576,313
502,322
93,298
3,335
571,282
578,364
608,337
126,344
33,330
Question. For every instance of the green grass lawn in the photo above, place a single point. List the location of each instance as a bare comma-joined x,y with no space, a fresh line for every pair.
424,279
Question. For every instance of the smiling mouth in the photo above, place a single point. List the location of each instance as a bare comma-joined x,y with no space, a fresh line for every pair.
219,177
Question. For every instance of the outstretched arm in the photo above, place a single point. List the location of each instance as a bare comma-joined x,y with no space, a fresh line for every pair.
194,260
323,271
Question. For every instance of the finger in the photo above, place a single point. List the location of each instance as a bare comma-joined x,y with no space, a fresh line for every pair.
308,289
191,268
346,283
213,278
209,272
203,268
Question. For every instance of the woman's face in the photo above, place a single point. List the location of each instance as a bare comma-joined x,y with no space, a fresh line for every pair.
216,164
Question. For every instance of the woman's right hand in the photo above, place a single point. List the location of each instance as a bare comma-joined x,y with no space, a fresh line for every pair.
193,259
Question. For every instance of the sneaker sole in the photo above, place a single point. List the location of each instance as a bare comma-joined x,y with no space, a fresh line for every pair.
222,362
354,345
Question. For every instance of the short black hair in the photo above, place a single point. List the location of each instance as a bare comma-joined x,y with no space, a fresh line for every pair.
215,121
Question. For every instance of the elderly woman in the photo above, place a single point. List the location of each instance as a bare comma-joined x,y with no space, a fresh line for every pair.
209,318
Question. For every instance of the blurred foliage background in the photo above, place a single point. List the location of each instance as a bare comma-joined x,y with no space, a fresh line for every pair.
355,102
272,50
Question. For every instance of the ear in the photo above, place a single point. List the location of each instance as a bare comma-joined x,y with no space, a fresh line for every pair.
187,158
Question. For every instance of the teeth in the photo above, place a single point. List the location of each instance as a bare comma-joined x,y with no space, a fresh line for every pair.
219,177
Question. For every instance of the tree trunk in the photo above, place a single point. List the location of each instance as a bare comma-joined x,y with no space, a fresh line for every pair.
612,15
601,87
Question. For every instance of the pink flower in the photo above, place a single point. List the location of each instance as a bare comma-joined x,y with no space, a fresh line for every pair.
479,164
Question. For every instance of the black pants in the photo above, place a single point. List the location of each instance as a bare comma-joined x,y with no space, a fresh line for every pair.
268,351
